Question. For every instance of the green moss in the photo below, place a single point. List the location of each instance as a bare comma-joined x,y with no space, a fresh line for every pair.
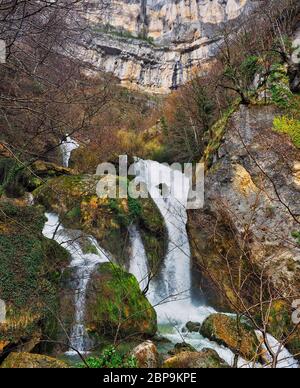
30,271
107,219
216,135
279,86
227,331
296,235
116,304
280,325
289,126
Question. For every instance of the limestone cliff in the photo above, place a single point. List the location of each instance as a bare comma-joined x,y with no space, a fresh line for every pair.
251,209
156,44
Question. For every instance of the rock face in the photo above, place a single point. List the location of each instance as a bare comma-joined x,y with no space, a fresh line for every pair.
207,359
251,214
116,306
31,361
225,331
252,202
146,355
156,44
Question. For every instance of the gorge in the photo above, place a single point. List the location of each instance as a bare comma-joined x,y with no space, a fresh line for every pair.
178,90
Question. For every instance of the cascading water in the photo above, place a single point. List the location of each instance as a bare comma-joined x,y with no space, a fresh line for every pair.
172,206
67,147
170,291
139,262
84,264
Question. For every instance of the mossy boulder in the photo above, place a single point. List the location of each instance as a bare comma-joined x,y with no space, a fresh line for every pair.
237,336
30,273
182,347
32,361
75,199
16,178
116,306
206,359
193,327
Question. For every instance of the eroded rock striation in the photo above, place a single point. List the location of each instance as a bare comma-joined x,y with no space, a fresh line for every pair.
156,45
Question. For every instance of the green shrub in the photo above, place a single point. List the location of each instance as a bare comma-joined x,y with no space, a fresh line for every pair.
289,126
111,358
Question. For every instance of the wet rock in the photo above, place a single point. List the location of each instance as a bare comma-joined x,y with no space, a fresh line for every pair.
182,347
193,327
206,359
146,355
225,330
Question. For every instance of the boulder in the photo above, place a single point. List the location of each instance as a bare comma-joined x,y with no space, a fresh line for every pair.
116,306
146,355
31,361
193,327
182,347
48,169
206,359
225,331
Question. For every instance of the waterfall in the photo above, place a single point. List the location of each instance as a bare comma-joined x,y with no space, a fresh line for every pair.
139,262
170,292
67,147
84,264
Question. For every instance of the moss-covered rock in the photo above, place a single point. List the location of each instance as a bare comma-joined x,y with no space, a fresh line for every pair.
193,327
206,359
31,361
74,198
30,273
182,347
237,336
116,306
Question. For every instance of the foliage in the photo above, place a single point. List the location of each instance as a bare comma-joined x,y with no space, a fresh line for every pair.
279,86
289,126
111,358
30,268
296,236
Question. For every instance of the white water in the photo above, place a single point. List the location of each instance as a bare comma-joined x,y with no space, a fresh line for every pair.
139,262
284,358
67,147
170,292
174,282
84,265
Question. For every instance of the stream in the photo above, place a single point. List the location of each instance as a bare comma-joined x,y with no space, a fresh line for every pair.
170,292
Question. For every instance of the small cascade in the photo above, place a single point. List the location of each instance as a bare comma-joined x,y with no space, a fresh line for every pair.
284,358
67,147
139,261
84,264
